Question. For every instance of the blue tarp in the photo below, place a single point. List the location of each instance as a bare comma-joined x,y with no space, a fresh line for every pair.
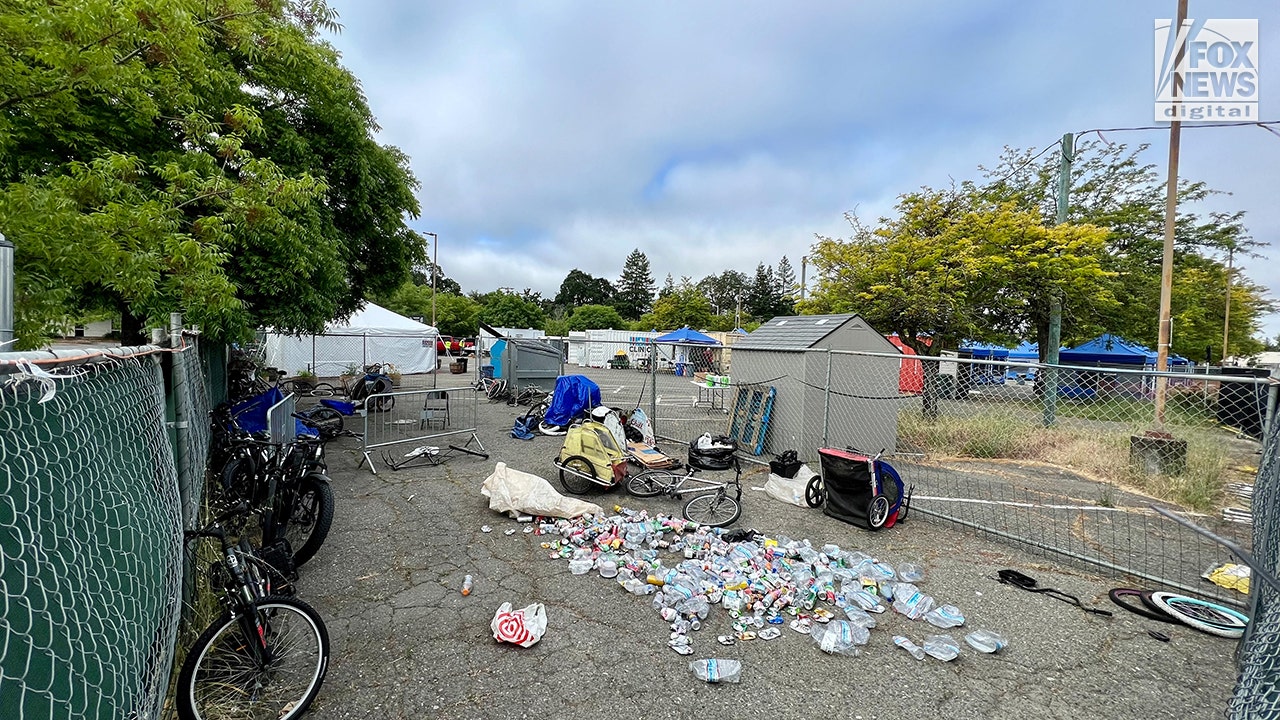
251,414
985,351
686,336
1108,349
573,395
1026,351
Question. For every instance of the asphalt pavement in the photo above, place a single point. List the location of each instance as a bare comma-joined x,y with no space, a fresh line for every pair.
408,644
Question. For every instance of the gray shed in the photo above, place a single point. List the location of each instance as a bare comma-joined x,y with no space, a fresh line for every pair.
791,353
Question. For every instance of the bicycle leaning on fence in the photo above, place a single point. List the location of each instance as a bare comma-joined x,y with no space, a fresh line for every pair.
266,654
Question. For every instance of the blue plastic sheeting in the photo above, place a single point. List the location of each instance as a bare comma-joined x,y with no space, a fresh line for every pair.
573,394
251,414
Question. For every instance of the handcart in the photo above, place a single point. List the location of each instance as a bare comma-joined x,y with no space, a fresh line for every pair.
858,489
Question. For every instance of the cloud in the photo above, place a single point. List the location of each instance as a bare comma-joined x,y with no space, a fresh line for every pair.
714,135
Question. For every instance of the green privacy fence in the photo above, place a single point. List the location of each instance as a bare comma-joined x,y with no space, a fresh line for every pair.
92,507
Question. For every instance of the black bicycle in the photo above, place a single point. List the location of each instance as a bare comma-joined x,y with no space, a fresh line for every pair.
285,484
265,656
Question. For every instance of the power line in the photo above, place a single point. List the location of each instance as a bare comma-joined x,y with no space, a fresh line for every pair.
1264,124
1027,162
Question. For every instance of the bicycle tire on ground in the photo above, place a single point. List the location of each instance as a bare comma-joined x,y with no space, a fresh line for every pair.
714,509
310,517
1202,615
1146,611
650,483
220,680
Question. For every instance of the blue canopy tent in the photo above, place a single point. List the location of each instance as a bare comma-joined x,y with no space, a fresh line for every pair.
1108,351
980,374
699,357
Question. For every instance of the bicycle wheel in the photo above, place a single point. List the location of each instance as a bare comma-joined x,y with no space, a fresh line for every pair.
1202,615
714,509
238,476
877,512
326,420
650,483
814,492
573,483
310,517
1117,596
222,678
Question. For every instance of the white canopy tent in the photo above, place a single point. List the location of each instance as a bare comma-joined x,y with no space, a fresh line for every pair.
372,335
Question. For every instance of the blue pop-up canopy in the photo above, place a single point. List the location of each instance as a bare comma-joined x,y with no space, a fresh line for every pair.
685,336
1114,350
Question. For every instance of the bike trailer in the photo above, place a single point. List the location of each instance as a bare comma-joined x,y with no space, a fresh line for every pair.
859,489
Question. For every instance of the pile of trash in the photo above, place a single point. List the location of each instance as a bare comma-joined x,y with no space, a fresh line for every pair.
826,593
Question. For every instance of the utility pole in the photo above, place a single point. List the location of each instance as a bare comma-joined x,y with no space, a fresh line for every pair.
1226,310
6,294
435,270
804,266
1170,225
1050,397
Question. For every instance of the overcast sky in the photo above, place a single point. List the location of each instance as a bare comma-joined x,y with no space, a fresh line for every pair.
550,136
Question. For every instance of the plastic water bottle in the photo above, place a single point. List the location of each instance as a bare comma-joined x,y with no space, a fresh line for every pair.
916,651
943,647
910,572
945,616
717,670
466,585
580,566
987,641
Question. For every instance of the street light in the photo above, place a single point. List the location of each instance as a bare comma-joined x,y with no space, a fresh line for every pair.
435,268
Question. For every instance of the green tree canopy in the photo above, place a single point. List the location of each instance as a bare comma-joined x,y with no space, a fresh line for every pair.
212,159
503,309
1111,188
580,288
635,287
724,290
684,305
595,317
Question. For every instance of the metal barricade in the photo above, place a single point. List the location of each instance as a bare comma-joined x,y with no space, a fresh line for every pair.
280,421
417,416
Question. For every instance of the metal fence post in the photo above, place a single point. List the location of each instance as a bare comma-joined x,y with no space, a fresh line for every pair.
826,401
653,385
364,351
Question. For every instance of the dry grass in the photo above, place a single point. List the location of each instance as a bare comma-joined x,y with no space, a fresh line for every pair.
1098,450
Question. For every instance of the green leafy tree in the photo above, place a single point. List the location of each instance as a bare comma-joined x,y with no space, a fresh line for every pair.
557,327
454,314
684,305
668,287
503,309
952,266
1111,188
580,288
762,297
724,290
421,275
212,159
635,287
594,317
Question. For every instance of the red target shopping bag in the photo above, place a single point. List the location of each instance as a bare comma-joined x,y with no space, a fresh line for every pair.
519,627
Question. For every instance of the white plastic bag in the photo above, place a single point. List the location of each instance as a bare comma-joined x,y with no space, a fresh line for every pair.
519,627
789,490
520,493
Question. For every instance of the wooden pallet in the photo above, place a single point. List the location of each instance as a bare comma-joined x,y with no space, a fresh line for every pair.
749,418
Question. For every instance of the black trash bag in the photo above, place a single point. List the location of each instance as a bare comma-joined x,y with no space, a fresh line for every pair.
712,453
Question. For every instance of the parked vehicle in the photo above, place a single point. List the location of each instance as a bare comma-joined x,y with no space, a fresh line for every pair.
448,345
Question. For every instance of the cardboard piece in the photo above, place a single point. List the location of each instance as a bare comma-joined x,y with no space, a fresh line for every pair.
650,457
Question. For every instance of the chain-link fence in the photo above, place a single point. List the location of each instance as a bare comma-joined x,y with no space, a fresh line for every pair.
101,464
985,444
1257,694
91,528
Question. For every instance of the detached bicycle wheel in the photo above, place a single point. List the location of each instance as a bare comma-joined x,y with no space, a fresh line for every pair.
222,677
326,421
649,484
714,509
1202,615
